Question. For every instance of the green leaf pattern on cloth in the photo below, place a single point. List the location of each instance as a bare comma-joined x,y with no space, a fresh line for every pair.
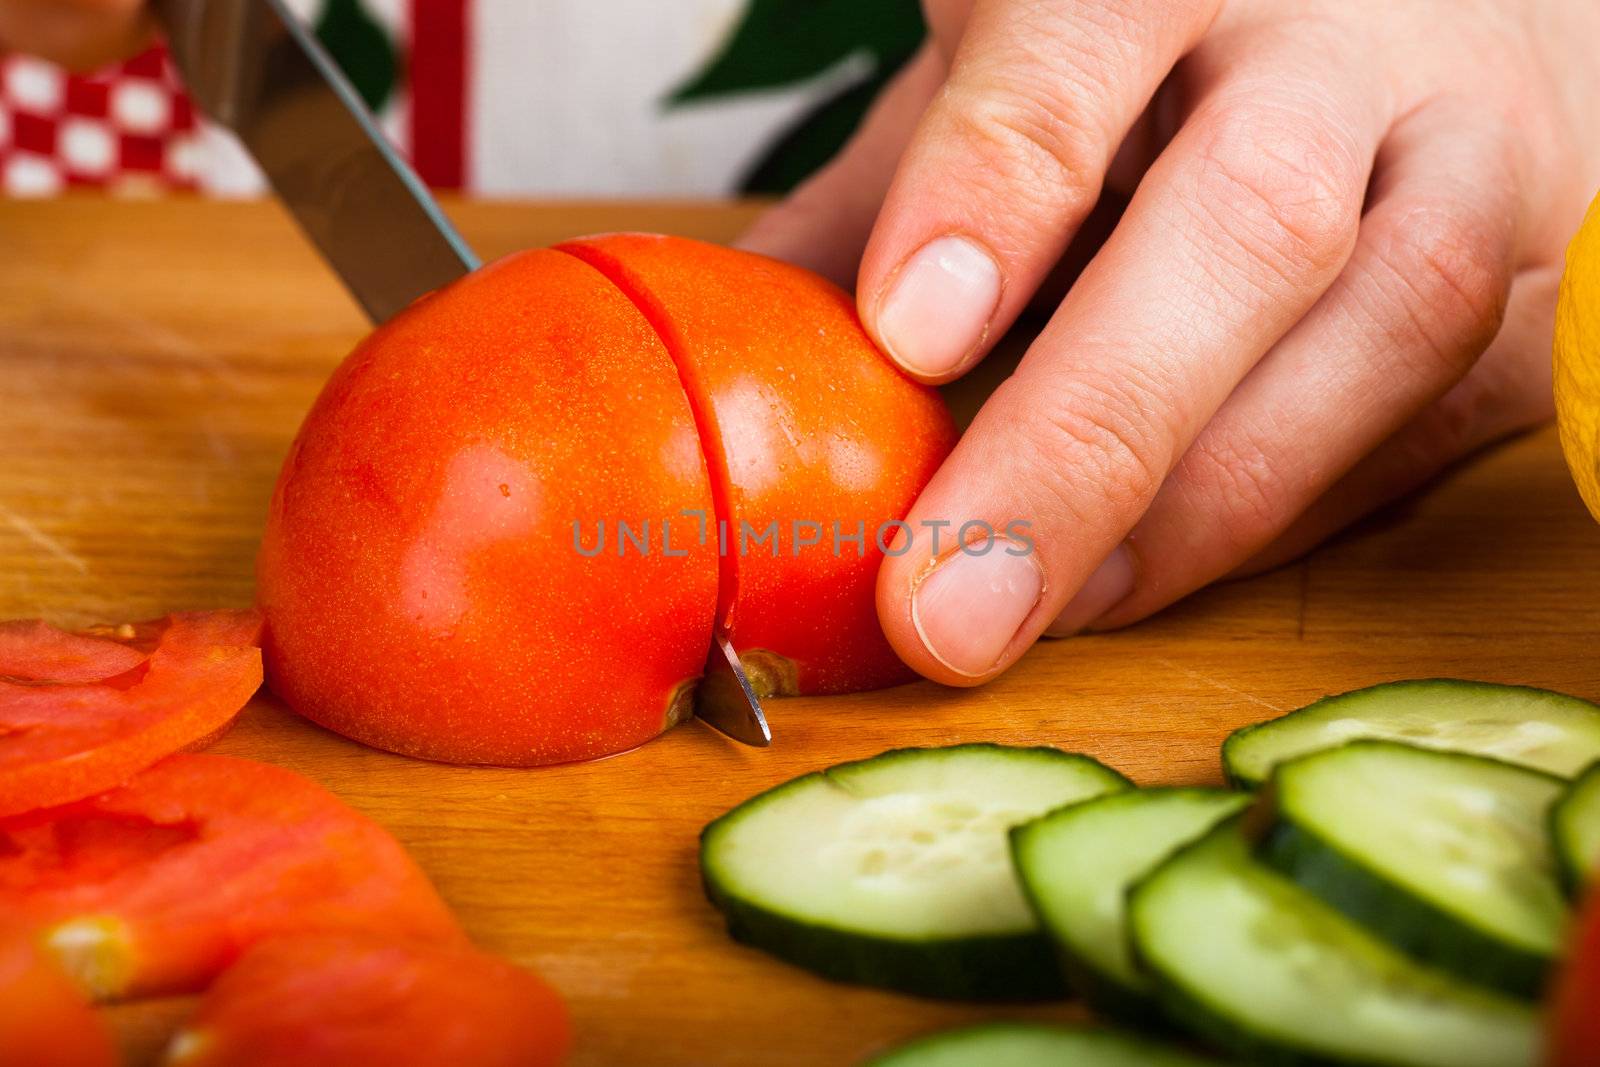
362,49
781,42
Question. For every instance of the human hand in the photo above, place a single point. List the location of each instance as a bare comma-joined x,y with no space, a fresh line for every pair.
1336,275
80,35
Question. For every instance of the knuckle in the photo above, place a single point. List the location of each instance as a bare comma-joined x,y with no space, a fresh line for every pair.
1244,494
1439,437
1045,142
1452,426
1285,185
1455,282
1099,432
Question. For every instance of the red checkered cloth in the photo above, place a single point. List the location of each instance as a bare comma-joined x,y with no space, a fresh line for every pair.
127,129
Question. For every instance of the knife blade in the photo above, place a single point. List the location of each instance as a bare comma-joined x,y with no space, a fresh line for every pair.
253,67
725,699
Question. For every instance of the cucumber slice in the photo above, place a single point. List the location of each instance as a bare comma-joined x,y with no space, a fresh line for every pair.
1246,957
1535,728
1575,830
1032,1045
894,871
1076,865
1442,854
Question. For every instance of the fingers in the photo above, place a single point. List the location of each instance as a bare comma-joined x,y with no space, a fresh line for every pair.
1235,232
823,225
80,35
1508,391
1421,298
1006,163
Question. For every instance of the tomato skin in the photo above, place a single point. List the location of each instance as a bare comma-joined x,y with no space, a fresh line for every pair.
343,1000
155,887
804,421
1574,1034
174,683
45,1021
419,576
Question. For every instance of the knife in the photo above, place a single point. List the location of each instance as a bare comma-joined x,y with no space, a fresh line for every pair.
725,699
255,68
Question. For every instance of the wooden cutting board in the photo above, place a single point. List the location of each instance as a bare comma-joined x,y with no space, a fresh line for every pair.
155,359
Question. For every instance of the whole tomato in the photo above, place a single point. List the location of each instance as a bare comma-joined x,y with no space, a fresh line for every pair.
510,524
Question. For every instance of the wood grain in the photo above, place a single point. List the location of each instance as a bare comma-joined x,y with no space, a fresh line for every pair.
155,359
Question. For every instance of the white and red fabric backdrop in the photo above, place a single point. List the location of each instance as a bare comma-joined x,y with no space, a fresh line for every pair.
499,97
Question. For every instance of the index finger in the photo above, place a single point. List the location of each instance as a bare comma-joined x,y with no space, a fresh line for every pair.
1235,232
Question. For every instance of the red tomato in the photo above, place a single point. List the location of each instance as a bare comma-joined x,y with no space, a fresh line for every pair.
45,1021
154,887
1574,1039
429,573
420,577
809,430
31,650
81,713
344,1000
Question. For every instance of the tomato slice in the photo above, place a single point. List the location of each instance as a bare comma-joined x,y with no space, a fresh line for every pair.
31,650
338,1000
45,1021
1574,1039
83,713
155,887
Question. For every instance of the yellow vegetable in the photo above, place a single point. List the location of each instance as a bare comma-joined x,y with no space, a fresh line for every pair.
1577,368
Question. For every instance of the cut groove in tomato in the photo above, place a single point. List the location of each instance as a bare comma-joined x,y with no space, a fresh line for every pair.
339,1000
67,736
705,420
810,434
154,887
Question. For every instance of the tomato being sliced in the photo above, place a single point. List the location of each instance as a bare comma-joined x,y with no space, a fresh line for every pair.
155,887
45,1021
1575,1002
816,444
342,1000
83,713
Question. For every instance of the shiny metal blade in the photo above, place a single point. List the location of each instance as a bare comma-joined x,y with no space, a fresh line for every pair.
725,701
253,67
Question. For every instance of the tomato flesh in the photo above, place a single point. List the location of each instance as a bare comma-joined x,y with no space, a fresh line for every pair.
156,886
83,713
31,650
45,1020
340,1000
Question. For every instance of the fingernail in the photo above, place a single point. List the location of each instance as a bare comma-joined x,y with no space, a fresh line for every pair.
937,307
969,607
1107,587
